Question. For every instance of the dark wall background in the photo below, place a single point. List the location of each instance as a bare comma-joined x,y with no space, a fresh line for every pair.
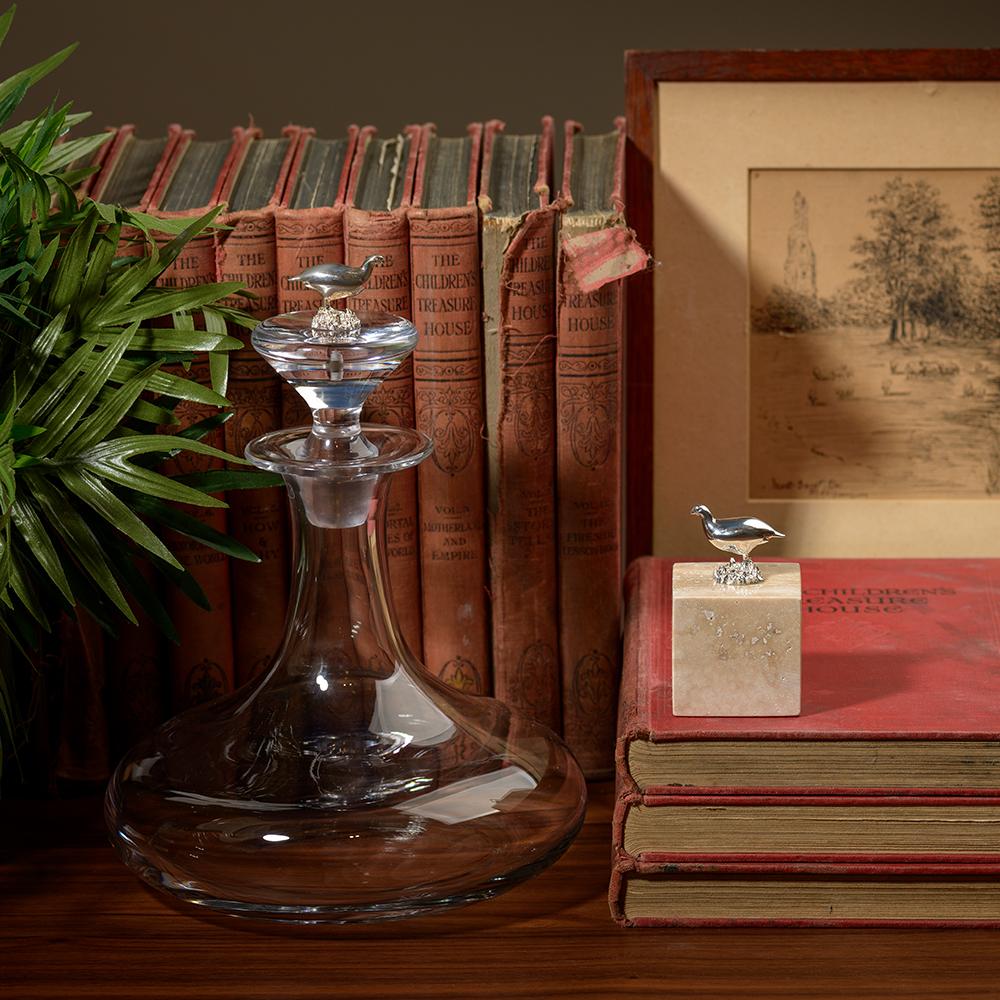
211,64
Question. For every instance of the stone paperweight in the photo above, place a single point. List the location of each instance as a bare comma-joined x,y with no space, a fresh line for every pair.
737,634
737,649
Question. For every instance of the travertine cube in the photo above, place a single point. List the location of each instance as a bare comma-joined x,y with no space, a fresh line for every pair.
737,650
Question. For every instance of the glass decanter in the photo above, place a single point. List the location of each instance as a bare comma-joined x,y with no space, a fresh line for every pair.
346,783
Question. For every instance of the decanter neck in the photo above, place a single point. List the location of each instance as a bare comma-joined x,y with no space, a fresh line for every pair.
341,616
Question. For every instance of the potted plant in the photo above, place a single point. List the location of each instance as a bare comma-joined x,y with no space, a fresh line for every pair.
93,355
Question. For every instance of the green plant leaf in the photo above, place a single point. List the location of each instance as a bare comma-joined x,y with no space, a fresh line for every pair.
99,264
30,527
219,480
44,261
33,74
6,20
111,411
21,586
21,432
144,595
65,414
100,499
29,367
144,480
193,527
167,339
156,302
69,274
64,518
123,448
186,584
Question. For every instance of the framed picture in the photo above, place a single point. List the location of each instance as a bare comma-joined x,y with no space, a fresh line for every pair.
820,342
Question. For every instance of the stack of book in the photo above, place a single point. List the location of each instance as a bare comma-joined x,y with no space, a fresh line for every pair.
880,804
505,546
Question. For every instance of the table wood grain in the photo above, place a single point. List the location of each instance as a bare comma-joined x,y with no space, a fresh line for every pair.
75,923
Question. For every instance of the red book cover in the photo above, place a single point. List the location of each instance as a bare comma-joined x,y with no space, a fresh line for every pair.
589,320
898,668
519,354
373,226
309,230
245,252
201,665
448,394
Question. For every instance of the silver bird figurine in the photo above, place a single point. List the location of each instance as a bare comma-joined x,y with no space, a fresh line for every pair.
337,281
739,535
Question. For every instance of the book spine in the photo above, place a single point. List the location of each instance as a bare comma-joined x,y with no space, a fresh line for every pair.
84,751
646,595
387,233
303,238
257,518
201,664
519,333
588,487
447,387
136,669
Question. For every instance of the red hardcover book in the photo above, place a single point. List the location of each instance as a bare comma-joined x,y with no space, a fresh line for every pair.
309,230
245,252
132,166
448,393
379,196
518,261
899,681
657,893
97,160
596,252
201,665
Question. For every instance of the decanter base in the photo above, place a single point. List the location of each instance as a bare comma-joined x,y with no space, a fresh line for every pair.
359,913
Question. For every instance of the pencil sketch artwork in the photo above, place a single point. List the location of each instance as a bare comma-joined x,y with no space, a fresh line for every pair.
874,333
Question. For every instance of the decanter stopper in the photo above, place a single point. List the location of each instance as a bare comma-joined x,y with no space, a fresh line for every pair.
335,359
337,281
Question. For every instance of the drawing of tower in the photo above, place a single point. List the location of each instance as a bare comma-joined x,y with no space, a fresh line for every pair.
800,264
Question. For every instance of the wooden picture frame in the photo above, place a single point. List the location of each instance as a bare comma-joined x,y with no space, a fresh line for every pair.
645,72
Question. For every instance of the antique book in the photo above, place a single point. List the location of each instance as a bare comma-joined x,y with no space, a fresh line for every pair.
448,394
132,167
595,252
518,264
925,828
136,663
94,161
83,752
245,252
653,893
309,230
901,694
201,664
379,195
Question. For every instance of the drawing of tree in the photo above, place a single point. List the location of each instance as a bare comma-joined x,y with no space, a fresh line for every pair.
912,254
988,201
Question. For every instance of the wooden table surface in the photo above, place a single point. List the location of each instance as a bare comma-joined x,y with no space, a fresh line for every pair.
75,923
